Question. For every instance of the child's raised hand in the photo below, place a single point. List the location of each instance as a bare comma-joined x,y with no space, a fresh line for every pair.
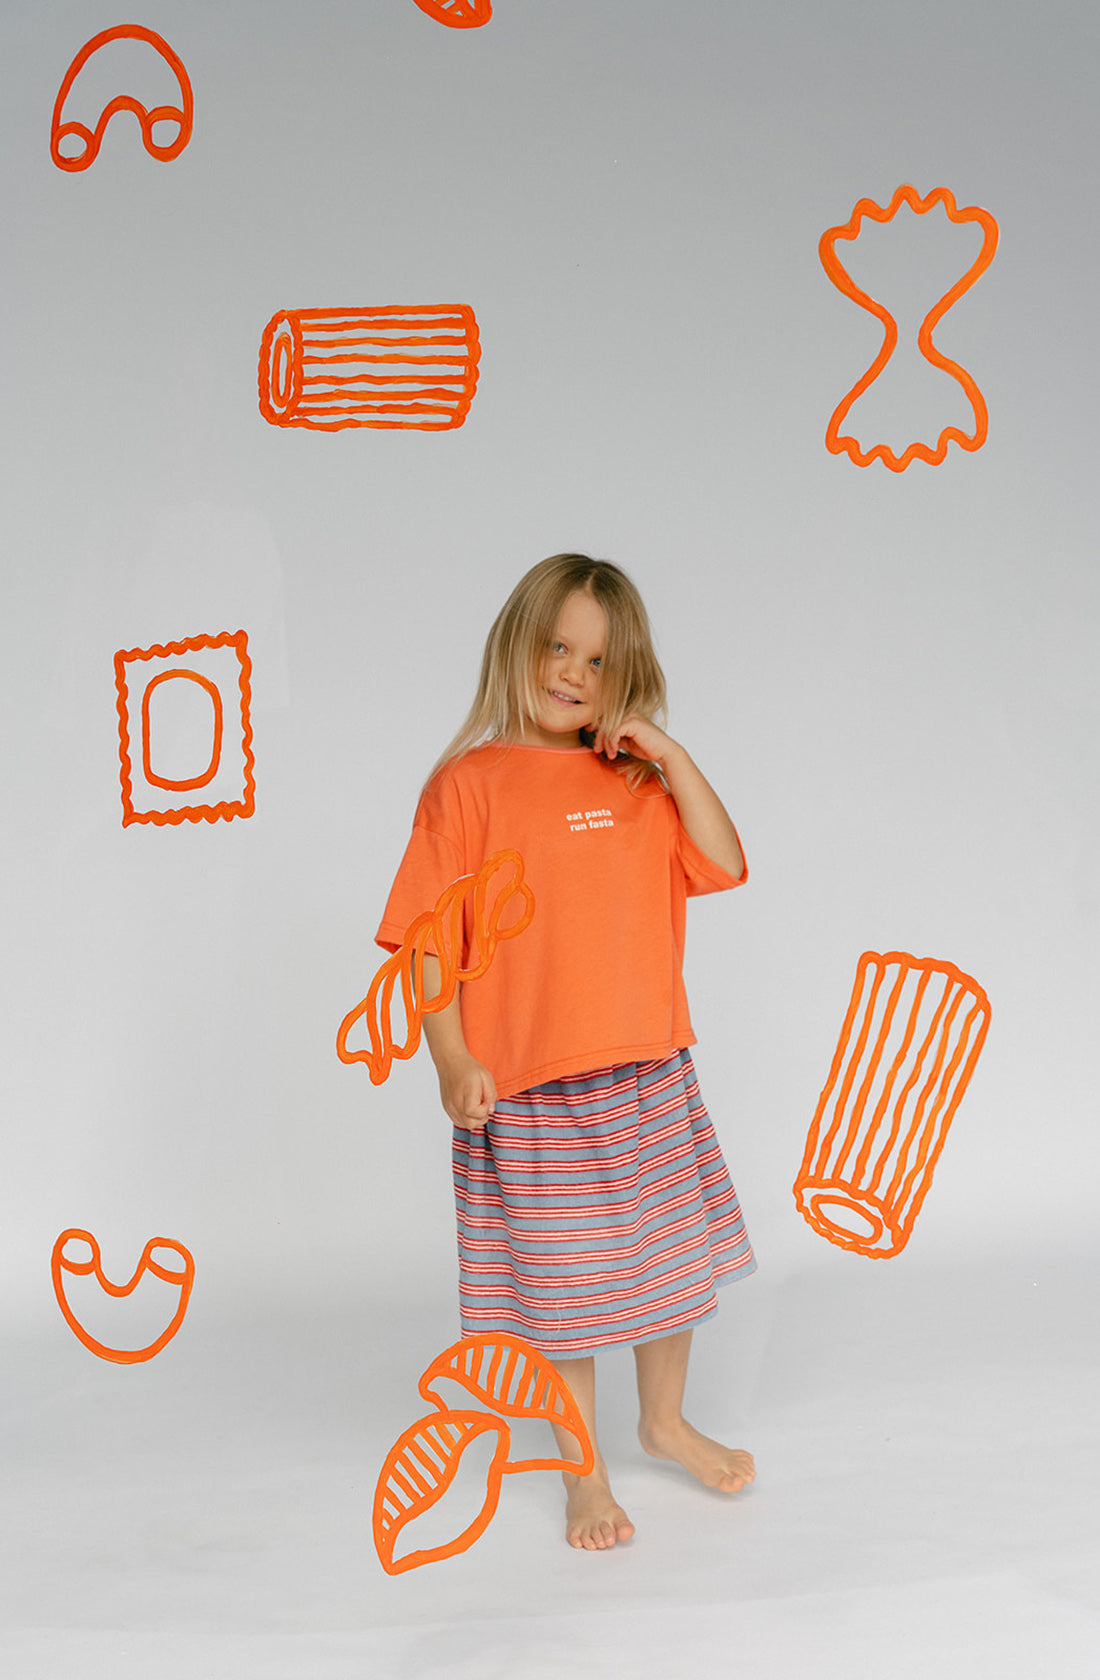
467,1092
637,735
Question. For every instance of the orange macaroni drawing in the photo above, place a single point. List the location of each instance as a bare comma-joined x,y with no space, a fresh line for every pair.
60,1263
390,367
216,679
458,14
441,931
505,1372
909,1044
840,277
181,115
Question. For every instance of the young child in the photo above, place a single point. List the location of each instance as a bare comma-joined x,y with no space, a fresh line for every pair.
594,1206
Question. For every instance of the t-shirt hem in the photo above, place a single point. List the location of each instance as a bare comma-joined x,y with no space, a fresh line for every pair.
587,1062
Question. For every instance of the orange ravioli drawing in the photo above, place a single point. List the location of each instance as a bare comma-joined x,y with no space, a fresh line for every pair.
838,274
184,1278
184,707
458,14
181,116
510,1376
390,367
444,928
908,1046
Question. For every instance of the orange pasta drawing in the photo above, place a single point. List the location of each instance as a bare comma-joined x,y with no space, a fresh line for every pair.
181,116
460,917
908,1046
390,367
507,1374
458,14
200,708
840,277
61,1263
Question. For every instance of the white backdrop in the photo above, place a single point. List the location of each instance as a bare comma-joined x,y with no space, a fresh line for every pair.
891,678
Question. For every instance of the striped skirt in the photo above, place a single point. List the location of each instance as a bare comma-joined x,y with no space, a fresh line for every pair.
596,1209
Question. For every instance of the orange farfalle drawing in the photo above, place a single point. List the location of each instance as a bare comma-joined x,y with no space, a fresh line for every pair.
441,928
59,1264
224,693
909,1044
840,277
458,14
509,1375
390,367
182,115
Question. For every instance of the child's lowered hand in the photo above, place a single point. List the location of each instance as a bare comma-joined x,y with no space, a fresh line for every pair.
467,1092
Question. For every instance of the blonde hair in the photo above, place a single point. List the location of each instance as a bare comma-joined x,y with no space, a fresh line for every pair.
631,680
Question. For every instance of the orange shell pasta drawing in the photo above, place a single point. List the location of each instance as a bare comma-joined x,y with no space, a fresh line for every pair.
225,770
907,1048
419,1469
838,274
442,928
59,1264
182,115
458,14
390,367
506,1373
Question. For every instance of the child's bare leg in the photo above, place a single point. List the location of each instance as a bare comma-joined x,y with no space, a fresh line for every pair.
593,1518
664,1431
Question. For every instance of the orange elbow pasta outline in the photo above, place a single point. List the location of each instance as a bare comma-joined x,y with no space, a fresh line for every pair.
81,1268
840,277
442,927
226,681
506,1373
392,367
458,14
908,1046
182,115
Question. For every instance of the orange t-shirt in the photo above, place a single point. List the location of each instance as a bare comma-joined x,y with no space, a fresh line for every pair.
596,979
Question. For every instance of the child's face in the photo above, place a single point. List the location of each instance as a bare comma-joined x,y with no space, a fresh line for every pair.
567,687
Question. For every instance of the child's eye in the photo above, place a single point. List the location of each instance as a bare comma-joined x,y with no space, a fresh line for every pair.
597,663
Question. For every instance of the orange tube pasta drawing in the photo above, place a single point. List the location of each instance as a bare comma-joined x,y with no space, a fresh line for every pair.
60,1263
390,367
908,1046
180,116
835,441
460,914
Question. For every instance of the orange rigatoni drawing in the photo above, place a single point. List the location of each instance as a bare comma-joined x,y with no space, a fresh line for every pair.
840,277
459,915
909,1044
506,1373
458,14
60,1263
181,116
216,679
390,367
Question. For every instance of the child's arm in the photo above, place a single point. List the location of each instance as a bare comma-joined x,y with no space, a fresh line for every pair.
701,811
466,1087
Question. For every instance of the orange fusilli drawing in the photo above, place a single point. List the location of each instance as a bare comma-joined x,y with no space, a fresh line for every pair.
840,277
217,680
459,914
60,1263
181,116
505,1372
458,14
390,367
909,1044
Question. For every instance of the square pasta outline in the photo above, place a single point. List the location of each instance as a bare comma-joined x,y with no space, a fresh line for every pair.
226,809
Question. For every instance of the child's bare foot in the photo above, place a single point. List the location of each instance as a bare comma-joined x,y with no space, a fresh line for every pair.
593,1519
725,1468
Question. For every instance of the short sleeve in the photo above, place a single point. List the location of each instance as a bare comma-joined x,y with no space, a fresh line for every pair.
701,873
433,860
